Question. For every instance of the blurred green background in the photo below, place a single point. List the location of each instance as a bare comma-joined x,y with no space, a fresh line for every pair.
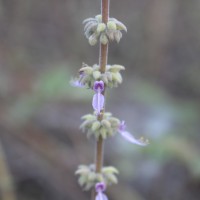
42,46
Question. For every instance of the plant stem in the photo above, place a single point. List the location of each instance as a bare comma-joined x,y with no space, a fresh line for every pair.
103,54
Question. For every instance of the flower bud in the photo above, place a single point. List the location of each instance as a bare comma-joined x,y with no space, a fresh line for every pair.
118,36
117,77
101,27
82,180
96,67
104,78
85,124
121,26
110,34
103,133
92,39
95,126
88,117
90,27
111,25
103,39
106,123
99,177
114,121
84,80
96,75
82,170
116,68
110,170
86,70
111,178
107,114
109,76
99,18
91,176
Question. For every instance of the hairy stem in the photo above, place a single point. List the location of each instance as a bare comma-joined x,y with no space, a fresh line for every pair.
103,57
103,54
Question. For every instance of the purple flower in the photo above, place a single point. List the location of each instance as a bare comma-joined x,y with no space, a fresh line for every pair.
98,98
100,188
76,83
98,86
126,135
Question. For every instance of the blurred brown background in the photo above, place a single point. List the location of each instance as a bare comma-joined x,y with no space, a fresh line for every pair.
42,46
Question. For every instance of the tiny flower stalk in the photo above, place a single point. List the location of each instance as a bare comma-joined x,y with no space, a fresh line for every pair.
101,29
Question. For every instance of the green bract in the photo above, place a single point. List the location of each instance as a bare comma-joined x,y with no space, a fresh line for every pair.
108,126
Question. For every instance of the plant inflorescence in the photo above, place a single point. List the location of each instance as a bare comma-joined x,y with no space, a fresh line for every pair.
100,124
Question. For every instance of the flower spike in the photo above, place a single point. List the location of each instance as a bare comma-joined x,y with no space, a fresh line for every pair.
126,135
100,188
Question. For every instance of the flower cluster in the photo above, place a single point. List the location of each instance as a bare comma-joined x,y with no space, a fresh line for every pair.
88,75
95,29
108,126
88,177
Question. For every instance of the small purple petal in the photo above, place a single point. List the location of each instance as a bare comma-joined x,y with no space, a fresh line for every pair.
100,187
122,126
101,196
98,102
98,86
132,139
76,83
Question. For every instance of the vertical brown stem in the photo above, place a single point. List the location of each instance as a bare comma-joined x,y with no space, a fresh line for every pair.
103,54
99,155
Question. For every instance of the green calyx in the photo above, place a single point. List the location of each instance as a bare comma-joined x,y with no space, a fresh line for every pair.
88,177
108,126
111,78
95,29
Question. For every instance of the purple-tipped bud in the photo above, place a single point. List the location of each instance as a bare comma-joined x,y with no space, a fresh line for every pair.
98,86
126,135
100,188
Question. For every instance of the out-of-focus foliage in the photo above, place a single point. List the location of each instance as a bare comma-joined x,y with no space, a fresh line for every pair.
43,47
